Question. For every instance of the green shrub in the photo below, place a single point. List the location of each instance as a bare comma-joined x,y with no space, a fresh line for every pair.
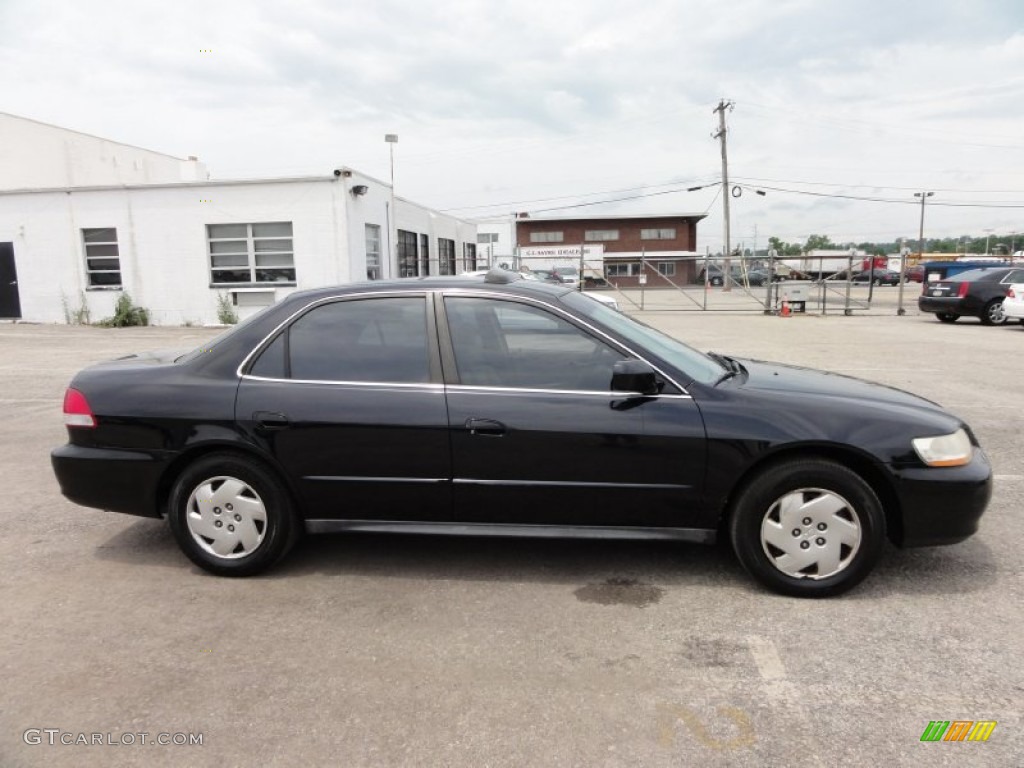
126,314
226,314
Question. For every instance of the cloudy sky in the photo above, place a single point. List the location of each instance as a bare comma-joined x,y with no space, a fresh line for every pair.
538,105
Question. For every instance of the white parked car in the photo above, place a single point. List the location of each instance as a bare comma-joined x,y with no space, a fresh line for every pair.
1013,304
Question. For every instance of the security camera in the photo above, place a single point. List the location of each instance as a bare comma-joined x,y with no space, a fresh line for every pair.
337,171
360,189
342,172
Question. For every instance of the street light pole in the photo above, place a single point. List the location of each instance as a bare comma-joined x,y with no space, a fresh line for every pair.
392,139
920,251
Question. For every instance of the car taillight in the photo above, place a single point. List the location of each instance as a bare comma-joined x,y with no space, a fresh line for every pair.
962,291
77,412
1010,294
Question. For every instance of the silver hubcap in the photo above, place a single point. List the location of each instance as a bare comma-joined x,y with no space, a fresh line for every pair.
226,517
995,313
811,533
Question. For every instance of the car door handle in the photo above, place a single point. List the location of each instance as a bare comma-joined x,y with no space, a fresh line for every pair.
488,427
270,420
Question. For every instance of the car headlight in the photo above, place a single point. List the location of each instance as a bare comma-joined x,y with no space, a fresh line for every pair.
946,450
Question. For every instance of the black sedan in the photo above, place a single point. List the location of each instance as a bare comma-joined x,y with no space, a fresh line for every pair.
976,293
498,405
878,277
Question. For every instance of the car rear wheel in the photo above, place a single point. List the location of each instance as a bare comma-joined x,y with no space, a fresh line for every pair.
947,317
993,313
808,528
231,516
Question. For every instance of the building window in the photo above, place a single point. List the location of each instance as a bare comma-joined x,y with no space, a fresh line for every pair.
469,257
446,256
424,255
372,252
601,234
487,237
251,253
658,234
407,265
667,268
622,270
102,259
546,237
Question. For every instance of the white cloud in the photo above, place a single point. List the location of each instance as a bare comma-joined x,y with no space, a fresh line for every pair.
507,102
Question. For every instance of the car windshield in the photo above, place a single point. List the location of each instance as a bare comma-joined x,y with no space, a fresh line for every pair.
698,366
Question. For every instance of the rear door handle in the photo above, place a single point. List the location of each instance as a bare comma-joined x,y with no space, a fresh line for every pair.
270,420
488,427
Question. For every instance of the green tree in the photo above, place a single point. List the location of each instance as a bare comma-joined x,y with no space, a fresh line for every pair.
819,243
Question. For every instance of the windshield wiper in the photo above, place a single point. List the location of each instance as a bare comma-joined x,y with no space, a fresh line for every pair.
732,366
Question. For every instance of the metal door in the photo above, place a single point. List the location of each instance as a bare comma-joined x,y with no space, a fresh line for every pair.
10,303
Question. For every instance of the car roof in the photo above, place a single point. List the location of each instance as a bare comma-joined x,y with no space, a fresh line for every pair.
510,283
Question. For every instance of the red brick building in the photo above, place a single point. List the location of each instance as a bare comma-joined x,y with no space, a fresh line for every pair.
618,248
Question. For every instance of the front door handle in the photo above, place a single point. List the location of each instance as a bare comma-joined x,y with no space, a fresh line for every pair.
488,427
270,420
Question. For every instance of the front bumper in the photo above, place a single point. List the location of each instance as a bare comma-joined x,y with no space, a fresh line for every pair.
1014,310
111,479
942,505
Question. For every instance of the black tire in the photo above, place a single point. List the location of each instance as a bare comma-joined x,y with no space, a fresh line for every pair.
259,544
878,282
947,317
829,494
716,281
993,313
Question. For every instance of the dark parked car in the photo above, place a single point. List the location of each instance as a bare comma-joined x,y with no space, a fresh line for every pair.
514,407
977,293
878,277
915,274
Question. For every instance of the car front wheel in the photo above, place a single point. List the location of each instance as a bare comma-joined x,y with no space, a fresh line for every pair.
993,313
808,528
231,516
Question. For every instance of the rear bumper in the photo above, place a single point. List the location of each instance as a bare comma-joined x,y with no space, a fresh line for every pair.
952,305
111,479
943,505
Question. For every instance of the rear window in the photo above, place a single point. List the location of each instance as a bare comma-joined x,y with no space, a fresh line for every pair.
973,275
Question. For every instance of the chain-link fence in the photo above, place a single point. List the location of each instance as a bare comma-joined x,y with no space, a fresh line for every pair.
700,283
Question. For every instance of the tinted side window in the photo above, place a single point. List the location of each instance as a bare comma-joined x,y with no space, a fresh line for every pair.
270,363
383,340
507,344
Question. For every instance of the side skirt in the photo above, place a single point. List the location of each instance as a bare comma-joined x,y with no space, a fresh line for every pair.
698,535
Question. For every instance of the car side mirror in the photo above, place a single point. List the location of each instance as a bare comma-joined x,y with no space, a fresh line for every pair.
635,376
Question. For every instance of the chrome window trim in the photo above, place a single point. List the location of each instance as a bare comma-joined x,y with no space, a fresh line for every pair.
467,292
458,292
428,387
482,390
316,302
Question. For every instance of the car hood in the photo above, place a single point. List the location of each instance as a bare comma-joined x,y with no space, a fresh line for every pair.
795,380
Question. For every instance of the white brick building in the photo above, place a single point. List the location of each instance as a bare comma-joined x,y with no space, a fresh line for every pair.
84,219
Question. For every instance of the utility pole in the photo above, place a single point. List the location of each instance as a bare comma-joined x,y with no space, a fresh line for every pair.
721,135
